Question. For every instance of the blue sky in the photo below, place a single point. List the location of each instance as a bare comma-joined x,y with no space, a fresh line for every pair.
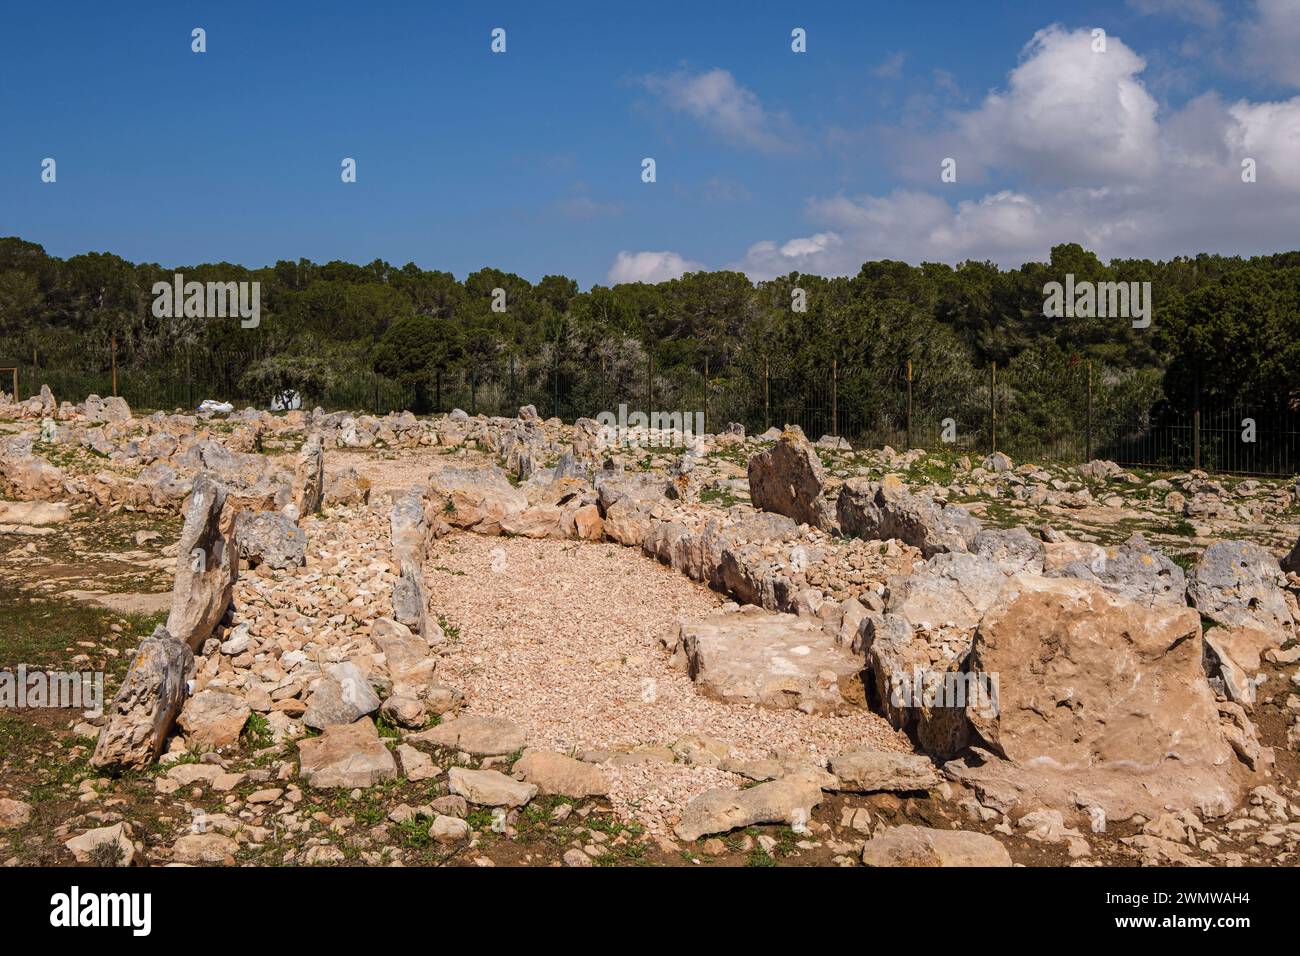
767,160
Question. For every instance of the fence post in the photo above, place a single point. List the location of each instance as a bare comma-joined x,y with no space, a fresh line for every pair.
113,351
1087,451
767,381
993,408
706,394
909,405
649,382
1196,428
473,391
835,396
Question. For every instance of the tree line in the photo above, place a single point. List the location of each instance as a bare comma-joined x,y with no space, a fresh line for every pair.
1224,329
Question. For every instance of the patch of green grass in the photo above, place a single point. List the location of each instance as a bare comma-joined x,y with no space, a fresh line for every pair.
257,732
759,857
452,631
717,495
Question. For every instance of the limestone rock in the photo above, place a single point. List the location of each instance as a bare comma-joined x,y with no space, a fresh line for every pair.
1238,582
480,736
213,719
788,479
142,714
789,800
341,697
489,788
270,538
886,509
877,771
921,846
779,661
346,755
554,773
207,564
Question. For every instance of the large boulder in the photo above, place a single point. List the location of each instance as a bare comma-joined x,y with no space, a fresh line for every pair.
207,564
142,714
25,475
475,499
886,509
270,538
1238,582
951,590
788,479
778,661
1102,702
1135,571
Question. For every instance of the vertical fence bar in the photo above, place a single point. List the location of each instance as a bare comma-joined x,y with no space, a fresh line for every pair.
767,381
1087,451
706,394
835,397
993,407
909,405
1196,429
649,382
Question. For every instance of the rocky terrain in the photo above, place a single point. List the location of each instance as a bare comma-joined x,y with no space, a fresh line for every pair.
340,639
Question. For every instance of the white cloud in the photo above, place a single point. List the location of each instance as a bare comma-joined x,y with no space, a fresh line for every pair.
650,267
1093,163
729,110
1068,113
891,68
1271,39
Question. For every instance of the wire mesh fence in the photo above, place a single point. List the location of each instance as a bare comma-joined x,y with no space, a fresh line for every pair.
1066,414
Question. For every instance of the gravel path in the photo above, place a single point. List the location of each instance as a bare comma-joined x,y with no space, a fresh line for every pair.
562,637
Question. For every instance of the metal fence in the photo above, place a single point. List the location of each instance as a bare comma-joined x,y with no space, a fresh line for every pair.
1067,414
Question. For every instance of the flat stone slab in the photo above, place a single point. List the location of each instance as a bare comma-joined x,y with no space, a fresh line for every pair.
788,800
489,788
921,846
480,736
346,755
778,661
878,771
555,773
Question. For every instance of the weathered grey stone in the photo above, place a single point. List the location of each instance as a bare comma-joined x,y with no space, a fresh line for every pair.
779,661
341,697
886,509
788,479
1014,550
142,714
207,564
878,771
789,800
270,538
309,477
1135,571
1238,582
